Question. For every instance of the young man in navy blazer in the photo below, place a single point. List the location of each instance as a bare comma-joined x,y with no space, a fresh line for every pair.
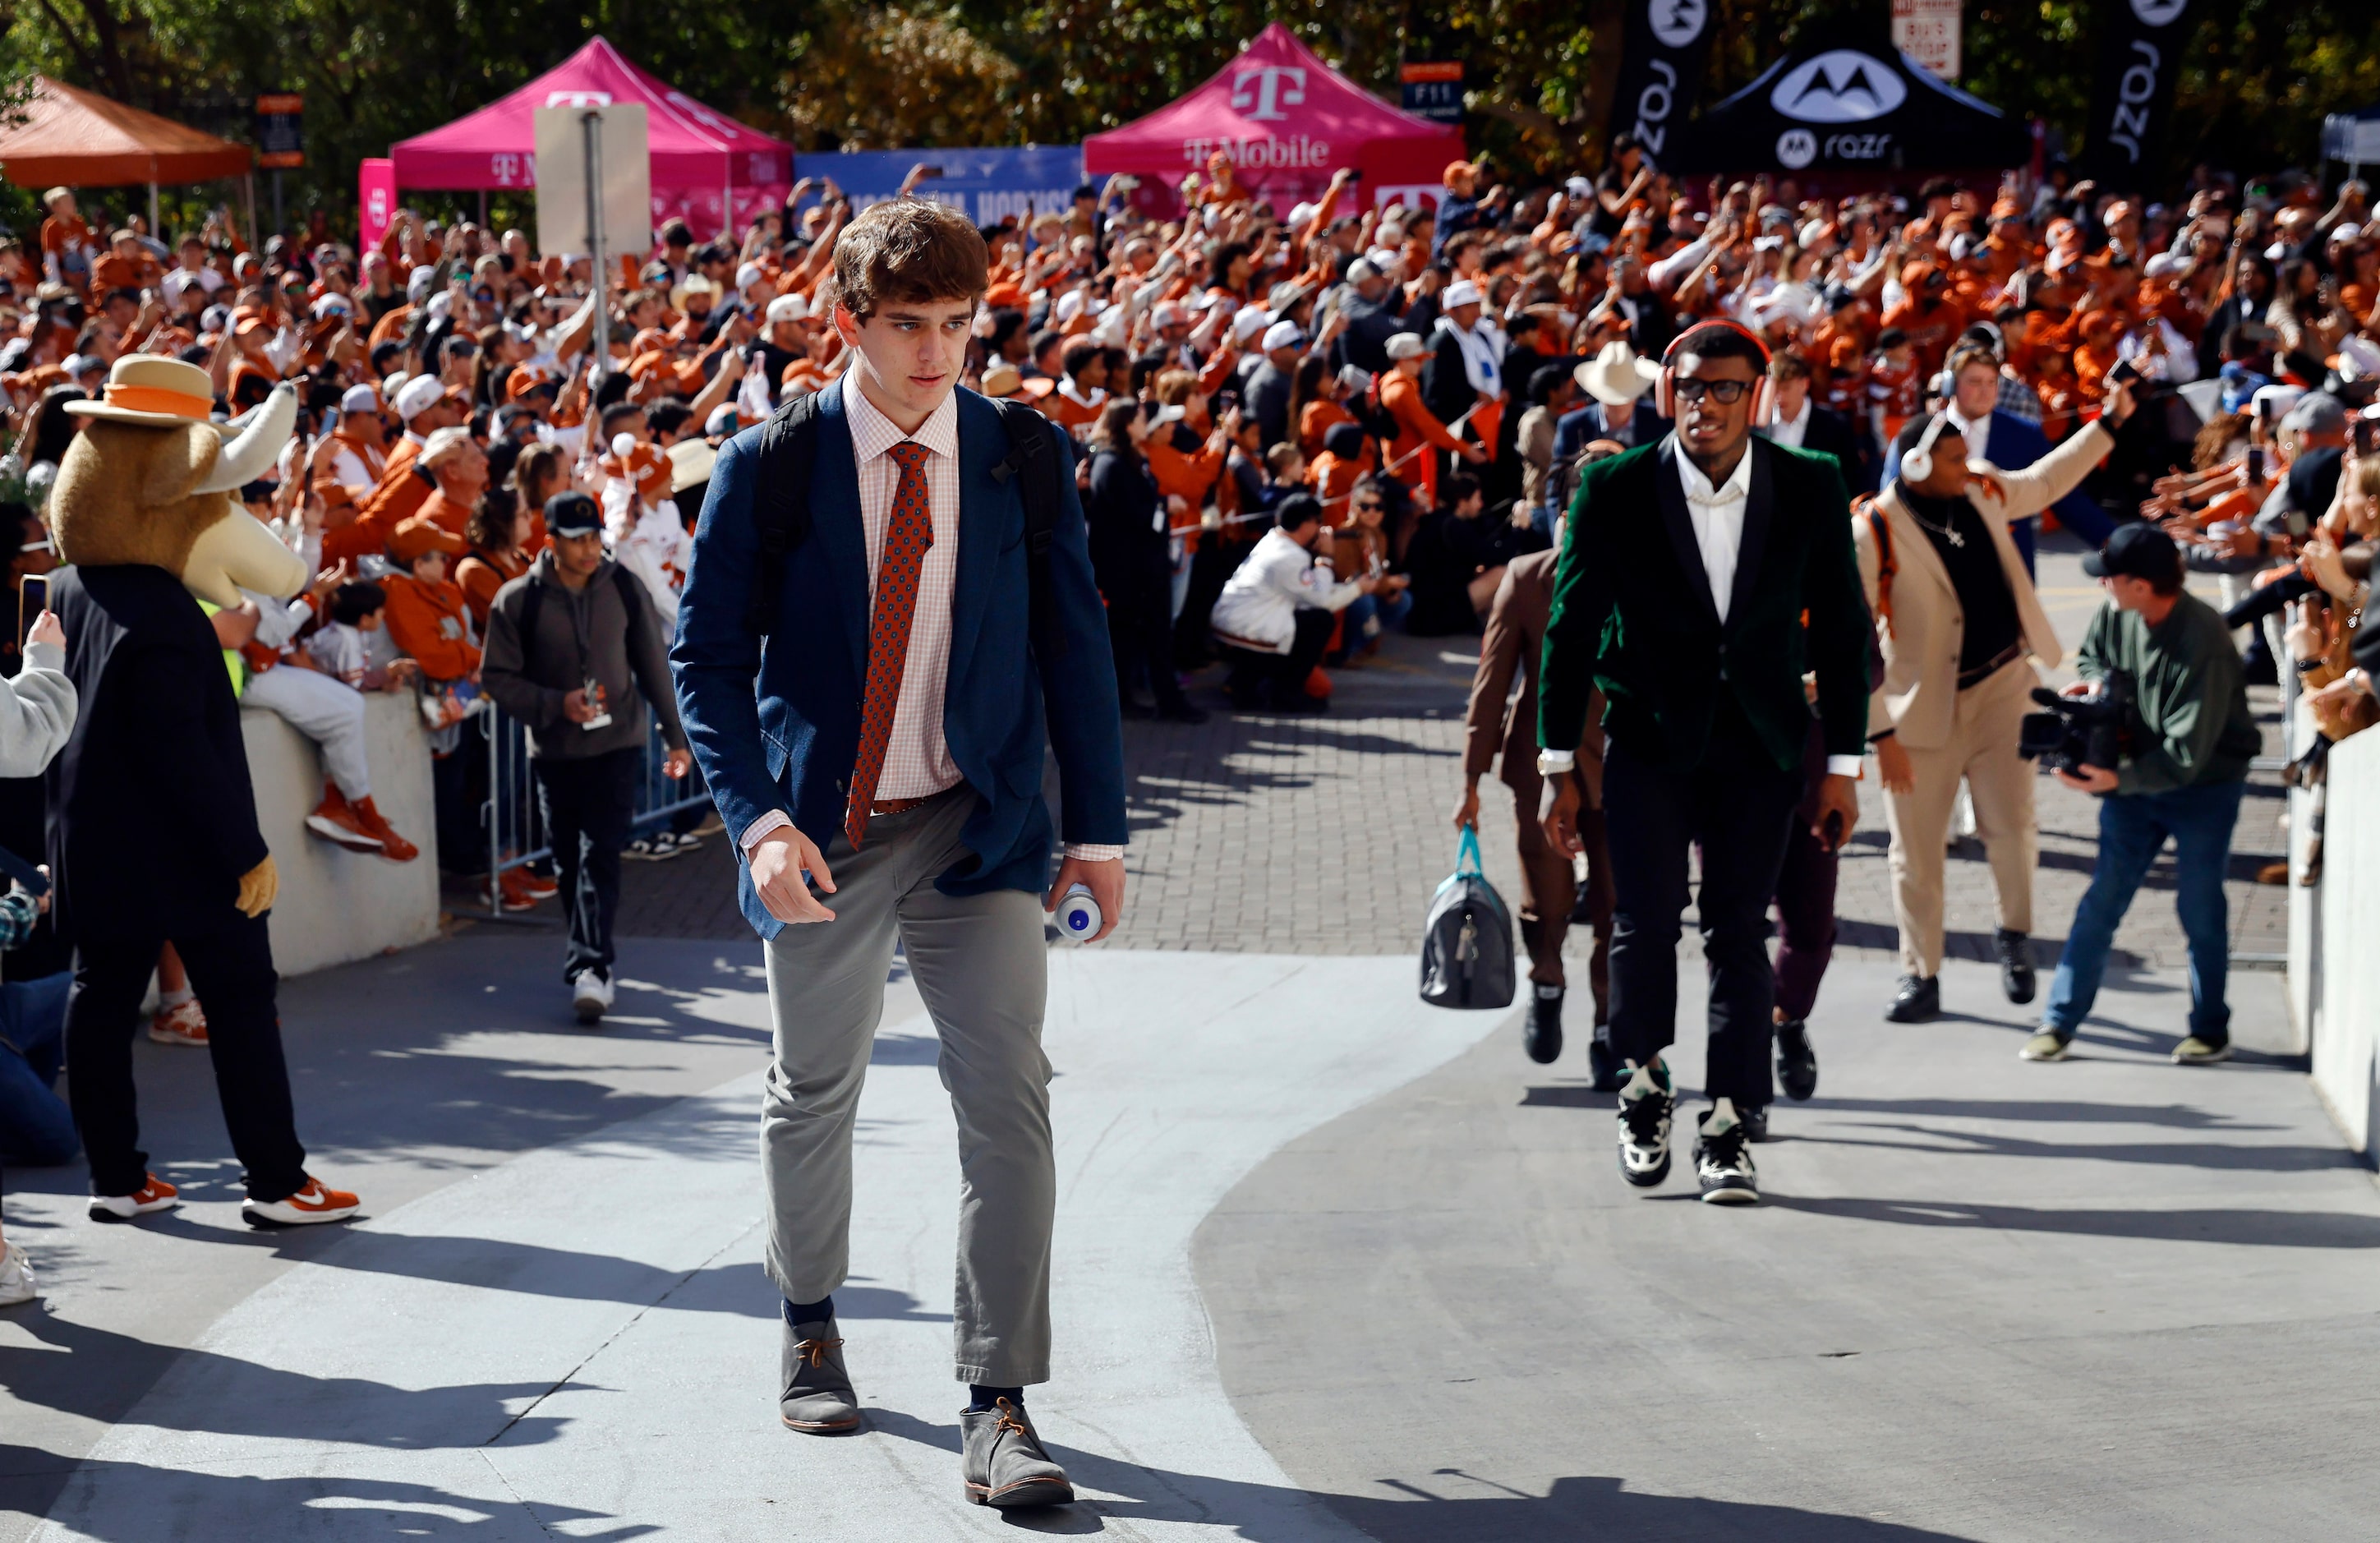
879,764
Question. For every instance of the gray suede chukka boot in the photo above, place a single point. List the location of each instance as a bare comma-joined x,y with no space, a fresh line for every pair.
1004,1464
818,1397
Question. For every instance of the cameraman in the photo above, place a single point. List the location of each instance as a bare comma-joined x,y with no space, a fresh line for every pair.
2190,742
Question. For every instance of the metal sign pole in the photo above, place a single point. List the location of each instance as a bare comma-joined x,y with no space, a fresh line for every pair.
599,346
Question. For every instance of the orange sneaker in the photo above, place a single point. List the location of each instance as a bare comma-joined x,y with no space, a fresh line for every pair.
155,1195
316,1202
185,1024
336,819
538,886
394,847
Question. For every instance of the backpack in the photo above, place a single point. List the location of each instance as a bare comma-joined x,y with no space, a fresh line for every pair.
1466,944
781,505
632,596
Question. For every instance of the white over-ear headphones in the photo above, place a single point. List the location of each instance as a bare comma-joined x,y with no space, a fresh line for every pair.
1918,465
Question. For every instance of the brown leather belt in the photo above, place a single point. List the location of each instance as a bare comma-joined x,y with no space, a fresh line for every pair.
899,806
1990,667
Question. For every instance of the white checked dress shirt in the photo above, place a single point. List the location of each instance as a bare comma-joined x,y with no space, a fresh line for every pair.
917,759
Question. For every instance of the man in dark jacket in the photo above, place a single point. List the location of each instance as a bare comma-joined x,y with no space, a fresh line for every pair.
1687,571
574,651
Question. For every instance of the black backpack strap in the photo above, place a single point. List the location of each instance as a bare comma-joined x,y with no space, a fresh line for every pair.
781,501
1033,460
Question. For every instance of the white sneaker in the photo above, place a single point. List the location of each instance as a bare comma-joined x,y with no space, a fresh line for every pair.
16,1277
591,996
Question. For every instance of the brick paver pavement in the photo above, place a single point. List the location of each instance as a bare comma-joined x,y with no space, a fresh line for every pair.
1259,834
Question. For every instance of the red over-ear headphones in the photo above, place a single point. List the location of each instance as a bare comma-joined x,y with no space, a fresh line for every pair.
1763,390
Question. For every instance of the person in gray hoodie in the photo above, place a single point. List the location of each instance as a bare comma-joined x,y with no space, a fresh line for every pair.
577,653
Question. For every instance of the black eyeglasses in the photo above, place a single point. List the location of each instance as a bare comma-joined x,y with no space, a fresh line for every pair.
1370,508
1725,391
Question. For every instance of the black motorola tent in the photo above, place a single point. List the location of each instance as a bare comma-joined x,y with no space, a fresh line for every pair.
1850,103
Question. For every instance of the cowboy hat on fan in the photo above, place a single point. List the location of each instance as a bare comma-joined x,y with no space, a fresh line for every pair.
1617,376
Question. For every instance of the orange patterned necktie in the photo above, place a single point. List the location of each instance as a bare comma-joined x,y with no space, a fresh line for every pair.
905,540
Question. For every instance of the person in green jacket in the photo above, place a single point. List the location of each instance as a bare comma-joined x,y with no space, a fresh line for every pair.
2179,777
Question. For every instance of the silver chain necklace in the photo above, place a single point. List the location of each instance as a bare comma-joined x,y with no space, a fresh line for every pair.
1948,532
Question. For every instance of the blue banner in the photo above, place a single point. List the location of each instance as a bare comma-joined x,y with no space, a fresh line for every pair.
986,186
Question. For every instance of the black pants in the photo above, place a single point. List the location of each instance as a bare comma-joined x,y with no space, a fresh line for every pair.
231,970
458,787
588,805
1253,673
1140,632
1739,806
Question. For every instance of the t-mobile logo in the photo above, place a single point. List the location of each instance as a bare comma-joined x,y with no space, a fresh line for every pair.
1262,90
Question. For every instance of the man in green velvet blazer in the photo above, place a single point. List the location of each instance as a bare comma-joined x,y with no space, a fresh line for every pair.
1701,580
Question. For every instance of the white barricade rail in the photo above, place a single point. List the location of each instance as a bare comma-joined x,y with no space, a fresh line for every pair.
509,819
2344,923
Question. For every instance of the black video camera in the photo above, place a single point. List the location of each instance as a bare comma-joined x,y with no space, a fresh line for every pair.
2079,731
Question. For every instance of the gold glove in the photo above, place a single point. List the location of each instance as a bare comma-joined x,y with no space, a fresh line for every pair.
257,888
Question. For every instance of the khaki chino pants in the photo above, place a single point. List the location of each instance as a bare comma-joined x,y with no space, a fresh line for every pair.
982,966
1982,750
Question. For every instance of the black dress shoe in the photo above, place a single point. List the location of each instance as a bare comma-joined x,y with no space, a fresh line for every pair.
2016,965
1602,1060
1797,1064
1756,1122
1918,1000
1542,1033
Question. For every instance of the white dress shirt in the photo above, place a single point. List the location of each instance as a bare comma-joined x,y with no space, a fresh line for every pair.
917,758
1789,432
1976,431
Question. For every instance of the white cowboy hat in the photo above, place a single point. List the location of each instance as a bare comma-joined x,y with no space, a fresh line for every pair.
1616,376
150,389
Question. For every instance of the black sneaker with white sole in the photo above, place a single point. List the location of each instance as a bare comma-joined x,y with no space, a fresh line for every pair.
1723,1162
1797,1064
1645,1131
1755,1122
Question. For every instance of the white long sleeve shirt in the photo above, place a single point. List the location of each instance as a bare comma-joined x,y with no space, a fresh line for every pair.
1260,601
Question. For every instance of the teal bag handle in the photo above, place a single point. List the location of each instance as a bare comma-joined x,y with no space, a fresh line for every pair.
1467,855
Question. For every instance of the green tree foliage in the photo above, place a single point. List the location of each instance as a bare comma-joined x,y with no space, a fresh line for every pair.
2257,79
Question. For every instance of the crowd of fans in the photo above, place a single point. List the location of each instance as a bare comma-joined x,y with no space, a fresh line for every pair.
1300,427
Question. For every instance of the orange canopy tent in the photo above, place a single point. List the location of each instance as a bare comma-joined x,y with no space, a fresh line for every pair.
74,137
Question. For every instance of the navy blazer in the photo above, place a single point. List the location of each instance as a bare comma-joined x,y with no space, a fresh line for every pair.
778,728
1580,427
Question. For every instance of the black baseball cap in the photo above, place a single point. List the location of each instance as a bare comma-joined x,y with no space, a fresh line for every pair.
2137,551
572,513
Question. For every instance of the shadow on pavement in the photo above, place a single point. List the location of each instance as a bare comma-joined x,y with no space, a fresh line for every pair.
256,1399
1576,1507
2266,1229
312,1504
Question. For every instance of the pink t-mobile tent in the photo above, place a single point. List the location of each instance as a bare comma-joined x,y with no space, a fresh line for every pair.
710,169
1285,120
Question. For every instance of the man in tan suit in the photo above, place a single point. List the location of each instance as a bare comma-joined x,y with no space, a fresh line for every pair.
1501,723
1961,625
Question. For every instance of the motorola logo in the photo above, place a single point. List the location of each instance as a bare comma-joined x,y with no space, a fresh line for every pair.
1843,85
1796,148
1680,22
2153,13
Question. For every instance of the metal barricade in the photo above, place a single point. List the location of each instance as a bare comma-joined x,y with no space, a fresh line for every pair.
511,820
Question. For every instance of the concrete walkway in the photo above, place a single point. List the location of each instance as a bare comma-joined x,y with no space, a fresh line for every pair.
2104,1299
579,1341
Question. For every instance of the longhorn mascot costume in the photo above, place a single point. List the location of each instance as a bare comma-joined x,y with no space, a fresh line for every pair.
152,825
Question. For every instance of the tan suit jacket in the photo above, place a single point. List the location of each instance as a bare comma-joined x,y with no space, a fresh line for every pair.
1499,723
1923,637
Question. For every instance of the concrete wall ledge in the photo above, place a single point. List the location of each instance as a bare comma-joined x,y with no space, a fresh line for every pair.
336,906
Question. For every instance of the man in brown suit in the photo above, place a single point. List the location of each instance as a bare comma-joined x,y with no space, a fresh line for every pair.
1501,723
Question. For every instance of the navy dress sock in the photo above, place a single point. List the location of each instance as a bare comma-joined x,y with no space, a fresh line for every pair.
981,1399
799,1313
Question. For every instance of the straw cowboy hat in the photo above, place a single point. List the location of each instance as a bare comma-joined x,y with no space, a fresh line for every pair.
147,388
1617,375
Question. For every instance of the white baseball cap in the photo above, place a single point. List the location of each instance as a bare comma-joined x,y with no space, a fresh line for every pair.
421,393
1461,292
360,398
789,307
1247,324
1404,346
1283,334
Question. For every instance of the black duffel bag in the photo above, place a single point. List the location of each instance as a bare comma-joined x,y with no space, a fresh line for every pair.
1466,944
